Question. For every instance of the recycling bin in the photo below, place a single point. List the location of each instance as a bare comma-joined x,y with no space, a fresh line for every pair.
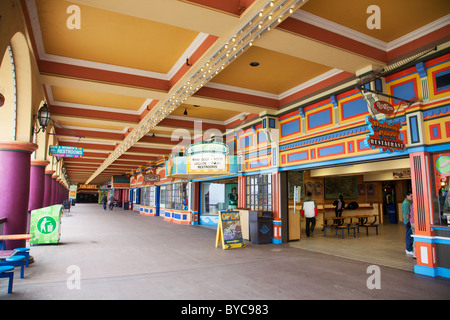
261,227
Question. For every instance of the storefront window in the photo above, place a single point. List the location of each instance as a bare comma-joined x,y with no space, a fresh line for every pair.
151,195
144,195
259,192
176,196
162,197
218,196
441,197
147,196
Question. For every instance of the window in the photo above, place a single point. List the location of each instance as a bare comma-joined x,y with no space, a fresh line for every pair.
148,196
151,195
145,196
162,197
175,195
443,80
259,192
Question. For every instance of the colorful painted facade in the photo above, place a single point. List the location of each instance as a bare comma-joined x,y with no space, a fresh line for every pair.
331,133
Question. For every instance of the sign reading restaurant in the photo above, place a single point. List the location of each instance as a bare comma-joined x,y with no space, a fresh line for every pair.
384,135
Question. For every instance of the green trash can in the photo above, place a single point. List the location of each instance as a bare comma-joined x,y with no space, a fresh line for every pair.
45,225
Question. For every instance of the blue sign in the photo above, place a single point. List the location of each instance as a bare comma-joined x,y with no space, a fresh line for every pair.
64,151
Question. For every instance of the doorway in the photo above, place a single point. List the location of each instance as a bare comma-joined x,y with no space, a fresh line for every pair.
389,206
295,183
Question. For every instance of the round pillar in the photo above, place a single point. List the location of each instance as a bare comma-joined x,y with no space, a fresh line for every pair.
54,189
37,184
15,158
48,188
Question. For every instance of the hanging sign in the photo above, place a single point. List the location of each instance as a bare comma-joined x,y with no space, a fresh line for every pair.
65,151
150,177
229,231
383,107
384,135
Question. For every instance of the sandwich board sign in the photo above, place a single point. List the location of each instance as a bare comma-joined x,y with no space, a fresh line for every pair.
229,231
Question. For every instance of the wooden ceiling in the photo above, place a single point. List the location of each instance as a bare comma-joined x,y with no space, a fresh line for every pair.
112,73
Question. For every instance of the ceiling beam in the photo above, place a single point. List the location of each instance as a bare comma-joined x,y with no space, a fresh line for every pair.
295,45
172,12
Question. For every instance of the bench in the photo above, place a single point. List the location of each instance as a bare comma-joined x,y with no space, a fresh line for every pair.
369,225
330,226
8,272
347,226
15,261
24,252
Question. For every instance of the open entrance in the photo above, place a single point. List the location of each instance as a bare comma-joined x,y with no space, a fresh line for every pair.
393,194
370,227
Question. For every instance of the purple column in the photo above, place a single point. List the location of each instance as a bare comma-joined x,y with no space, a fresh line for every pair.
59,198
37,184
15,160
54,188
48,188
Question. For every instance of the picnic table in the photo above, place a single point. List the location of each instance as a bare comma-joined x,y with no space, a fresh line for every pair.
5,237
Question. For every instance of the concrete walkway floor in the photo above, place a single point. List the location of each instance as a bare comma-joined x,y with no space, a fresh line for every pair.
123,255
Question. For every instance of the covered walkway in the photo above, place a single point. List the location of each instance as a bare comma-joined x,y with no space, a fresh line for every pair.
123,255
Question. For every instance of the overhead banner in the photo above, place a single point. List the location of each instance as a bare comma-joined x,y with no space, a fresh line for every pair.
65,151
384,135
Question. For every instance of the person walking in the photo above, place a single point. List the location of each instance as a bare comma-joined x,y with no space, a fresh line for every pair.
111,201
104,201
406,212
309,210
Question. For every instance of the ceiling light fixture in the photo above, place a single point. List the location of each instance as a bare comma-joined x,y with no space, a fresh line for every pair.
254,64
43,117
255,22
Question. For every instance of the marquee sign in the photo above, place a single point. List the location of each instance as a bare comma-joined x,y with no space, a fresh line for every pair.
207,157
384,135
